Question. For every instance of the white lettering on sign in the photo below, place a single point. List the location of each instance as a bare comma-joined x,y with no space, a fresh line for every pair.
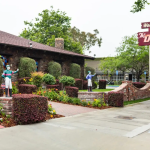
147,38
146,25
142,35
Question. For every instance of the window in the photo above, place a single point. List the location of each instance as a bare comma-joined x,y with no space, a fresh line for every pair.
5,61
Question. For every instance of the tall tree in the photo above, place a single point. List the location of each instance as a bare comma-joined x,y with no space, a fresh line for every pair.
88,39
130,57
139,5
51,24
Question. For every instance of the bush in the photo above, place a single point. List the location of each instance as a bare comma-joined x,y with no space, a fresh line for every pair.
75,70
29,108
85,85
49,79
102,84
26,67
37,78
1,70
115,99
67,80
14,88
1,92
54,69
139,84
27,88
72,91
79,83
94,85
23,80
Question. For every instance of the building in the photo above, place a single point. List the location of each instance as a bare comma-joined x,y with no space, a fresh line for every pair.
13,47
113,77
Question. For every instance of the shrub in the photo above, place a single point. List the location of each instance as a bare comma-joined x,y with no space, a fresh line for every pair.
79,83
1,70
85,85
23,80
54,69
139,84
1,92
29,108
84,103
75,70
49,79
37,78
67,80
51,110
94,85
102,84
26,67
115,99
76,101
27,88
72,91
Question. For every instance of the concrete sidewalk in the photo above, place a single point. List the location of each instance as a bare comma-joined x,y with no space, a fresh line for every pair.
99,130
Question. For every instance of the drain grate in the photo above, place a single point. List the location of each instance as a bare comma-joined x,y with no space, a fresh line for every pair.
126,117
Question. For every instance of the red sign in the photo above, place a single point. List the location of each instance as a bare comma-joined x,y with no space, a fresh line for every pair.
144,37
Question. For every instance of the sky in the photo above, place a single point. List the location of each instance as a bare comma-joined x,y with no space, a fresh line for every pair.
112,18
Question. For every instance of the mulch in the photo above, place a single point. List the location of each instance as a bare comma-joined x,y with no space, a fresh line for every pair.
10,122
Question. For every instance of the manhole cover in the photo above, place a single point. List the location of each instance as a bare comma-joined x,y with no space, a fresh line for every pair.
126,117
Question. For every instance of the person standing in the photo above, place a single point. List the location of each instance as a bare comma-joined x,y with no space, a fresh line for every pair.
7,76
89,78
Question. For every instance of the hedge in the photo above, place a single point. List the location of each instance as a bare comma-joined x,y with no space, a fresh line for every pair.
26,88
72,91
102,84
54,69
85,85
22,81
26,67
1,70
55,87
75,70
60,84
139,84
79,83
29,108
115,99
1,92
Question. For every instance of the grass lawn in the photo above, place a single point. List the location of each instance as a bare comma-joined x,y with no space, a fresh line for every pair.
97,90
135,101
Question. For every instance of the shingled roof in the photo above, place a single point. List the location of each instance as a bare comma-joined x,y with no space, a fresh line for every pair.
9,39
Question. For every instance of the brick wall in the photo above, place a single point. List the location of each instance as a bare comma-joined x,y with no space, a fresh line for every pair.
43,57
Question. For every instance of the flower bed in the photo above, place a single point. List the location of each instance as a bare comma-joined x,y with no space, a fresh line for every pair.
72,91
26,88
102,84
23,80
55,87
1,92
115,99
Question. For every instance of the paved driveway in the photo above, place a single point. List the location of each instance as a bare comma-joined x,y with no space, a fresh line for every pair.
112,129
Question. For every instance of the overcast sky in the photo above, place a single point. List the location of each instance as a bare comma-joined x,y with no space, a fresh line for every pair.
112,18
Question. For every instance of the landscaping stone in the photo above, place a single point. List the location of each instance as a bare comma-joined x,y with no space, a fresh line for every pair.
7,105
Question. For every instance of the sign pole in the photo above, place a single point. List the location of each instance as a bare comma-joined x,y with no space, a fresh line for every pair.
149,62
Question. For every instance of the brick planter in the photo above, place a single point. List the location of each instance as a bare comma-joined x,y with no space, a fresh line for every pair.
90,96
27,88
7,105
57,86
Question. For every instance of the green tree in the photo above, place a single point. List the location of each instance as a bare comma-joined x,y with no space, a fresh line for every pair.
130,57
51,24
88,39
139,5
